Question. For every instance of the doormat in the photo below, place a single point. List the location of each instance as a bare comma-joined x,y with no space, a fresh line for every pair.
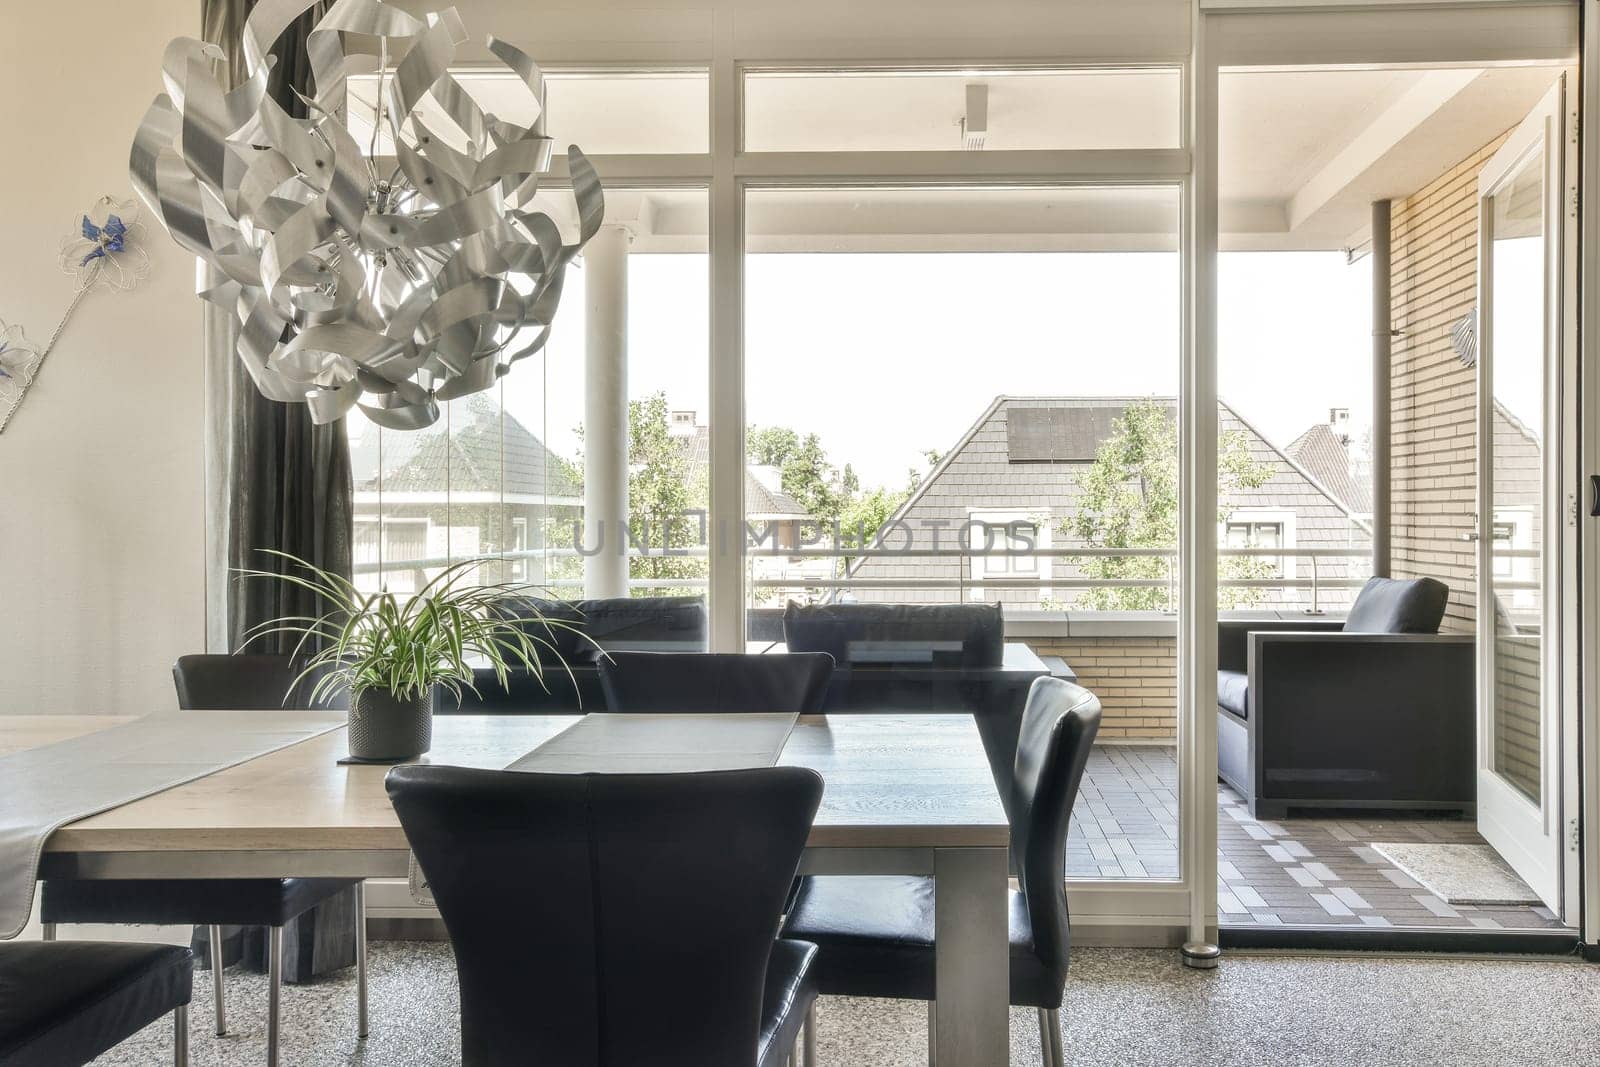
1460,874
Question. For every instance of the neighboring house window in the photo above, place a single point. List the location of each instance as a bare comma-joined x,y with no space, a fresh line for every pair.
404,539
390,543
1513,530
1011,538
1264,530
517,568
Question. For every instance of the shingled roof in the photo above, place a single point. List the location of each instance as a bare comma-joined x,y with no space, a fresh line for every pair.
764,497
1032,467
479,449
1326,457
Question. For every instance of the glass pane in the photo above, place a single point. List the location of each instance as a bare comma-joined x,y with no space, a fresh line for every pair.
990,377
932,110
1294,466
501,475
1518,323
603,112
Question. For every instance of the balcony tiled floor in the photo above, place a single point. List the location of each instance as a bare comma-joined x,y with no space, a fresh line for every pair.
1299,871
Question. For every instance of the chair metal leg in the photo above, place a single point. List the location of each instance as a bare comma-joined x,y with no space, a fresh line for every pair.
933,1033
1044,1039
361,960
809,1048
214,936
47,931
1055,1054
180,1036
274,990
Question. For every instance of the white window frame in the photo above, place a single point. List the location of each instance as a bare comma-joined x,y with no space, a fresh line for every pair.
728,175
517,568
1222,31
999,524
1283,519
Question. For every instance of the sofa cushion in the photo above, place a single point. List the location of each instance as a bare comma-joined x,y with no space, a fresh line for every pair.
1233,692
572,631
957,635
555,626
645,623
1398,606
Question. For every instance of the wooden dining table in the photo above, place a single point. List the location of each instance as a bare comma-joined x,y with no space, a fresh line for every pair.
909,794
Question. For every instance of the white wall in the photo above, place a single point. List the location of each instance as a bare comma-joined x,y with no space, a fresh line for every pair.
101,522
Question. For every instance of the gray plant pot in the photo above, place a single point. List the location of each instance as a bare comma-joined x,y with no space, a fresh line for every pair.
383,727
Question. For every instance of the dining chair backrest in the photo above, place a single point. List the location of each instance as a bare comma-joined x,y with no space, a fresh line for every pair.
693,682
1059,723
602,920
243,682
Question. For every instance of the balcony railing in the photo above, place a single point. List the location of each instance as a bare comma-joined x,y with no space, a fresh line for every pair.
1318,583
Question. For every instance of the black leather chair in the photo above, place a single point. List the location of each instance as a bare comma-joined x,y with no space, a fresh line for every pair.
62,1005
709,681
617,919
1378,713
219,683
875,934
572,636
936,658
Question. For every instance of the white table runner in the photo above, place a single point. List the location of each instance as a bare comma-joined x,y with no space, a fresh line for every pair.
44,788
612,743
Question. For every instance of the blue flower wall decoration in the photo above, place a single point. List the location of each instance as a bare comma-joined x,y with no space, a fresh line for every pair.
104,254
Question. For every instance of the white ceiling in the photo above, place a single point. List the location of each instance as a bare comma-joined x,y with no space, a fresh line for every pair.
1303,152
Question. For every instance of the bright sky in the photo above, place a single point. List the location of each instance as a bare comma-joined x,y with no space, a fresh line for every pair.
886,355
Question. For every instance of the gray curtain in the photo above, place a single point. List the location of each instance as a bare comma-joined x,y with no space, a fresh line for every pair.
287,481
277,482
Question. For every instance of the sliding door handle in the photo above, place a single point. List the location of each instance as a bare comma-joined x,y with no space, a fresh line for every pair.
1594,495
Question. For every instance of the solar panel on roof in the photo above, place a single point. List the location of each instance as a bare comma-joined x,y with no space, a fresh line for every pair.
1059,434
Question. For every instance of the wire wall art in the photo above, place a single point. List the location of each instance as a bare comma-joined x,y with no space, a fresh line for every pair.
106,251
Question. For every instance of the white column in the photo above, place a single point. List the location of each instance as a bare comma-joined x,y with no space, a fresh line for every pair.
605,412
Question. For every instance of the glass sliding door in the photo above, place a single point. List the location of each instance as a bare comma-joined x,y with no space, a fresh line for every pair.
1522,396
1351,156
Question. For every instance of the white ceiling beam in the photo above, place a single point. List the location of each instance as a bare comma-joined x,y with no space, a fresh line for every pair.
1253,216
1432,91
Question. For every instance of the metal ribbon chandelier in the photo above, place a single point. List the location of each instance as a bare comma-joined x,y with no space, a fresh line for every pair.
392,285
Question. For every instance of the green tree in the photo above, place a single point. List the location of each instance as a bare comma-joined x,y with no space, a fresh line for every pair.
769,446
664,491
864,515
1129,499
803,469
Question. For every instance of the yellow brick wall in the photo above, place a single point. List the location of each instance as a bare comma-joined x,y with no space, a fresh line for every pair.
1136,679
1434,235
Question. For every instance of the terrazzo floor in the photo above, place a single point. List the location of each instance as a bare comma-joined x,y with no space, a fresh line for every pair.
1289,872
1123,1007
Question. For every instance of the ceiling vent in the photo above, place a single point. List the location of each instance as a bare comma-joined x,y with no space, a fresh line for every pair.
975,126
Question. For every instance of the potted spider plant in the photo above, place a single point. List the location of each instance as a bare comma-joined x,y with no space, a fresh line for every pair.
395,653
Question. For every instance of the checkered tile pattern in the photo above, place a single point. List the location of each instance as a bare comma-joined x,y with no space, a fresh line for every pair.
1299,871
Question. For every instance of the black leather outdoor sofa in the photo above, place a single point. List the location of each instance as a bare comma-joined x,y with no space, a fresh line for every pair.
1376,712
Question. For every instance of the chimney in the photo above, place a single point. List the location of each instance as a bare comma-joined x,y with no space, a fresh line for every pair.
682,423
1339,423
